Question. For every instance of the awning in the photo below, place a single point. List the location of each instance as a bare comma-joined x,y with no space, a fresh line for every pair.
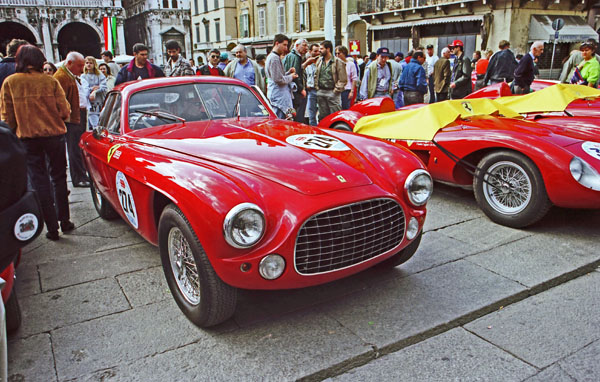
440,20
576,29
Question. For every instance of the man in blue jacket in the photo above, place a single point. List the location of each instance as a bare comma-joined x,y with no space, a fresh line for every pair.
139,68
413,81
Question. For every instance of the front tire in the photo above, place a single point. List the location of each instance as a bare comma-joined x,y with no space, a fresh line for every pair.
13,313
102,206
404,255
201,295
515,195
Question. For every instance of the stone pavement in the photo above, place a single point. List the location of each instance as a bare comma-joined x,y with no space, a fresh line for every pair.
477,302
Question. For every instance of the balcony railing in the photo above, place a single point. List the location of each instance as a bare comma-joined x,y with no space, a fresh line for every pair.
374,6
63,3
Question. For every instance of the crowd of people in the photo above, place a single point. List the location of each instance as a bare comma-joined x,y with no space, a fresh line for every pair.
49,108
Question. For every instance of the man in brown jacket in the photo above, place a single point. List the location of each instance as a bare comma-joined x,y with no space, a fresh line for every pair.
442,75
67,77
330,80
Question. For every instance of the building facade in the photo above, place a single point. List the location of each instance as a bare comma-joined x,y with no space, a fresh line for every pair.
61,26
154,22
215,25
402,25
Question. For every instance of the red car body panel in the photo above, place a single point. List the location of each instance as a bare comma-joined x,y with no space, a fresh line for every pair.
206,168
8,274
551,144
550,152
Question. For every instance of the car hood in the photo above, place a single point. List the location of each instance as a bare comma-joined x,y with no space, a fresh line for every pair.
300,157
584,128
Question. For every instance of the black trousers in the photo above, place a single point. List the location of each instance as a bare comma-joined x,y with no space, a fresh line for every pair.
432,93
412,97
74,132
441,96
299,103
47,169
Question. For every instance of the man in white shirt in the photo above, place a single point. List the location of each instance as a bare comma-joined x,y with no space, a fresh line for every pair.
431,59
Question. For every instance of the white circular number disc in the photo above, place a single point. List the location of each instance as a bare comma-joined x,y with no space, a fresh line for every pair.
26,226
592,149
317,142
126,199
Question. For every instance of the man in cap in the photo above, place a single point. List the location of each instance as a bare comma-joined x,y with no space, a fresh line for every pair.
413,82
460,84
378,77
223,60
575,59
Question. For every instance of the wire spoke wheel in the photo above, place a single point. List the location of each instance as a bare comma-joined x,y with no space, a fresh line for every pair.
183,265
509,189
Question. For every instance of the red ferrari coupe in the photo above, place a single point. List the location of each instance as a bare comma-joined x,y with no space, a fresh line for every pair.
518,168
236,198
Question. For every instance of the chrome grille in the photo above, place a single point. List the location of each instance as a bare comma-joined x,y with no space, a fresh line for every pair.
348,235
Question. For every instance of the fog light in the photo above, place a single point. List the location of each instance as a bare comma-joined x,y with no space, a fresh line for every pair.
245,267
271,267
413,228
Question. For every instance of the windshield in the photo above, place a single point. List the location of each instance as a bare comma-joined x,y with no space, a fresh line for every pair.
192,102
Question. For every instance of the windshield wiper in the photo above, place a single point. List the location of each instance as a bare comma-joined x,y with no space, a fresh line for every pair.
165,116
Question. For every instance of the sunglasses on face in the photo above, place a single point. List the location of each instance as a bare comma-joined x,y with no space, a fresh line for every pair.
213,56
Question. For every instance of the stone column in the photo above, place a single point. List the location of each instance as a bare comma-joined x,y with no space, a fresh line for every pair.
120,48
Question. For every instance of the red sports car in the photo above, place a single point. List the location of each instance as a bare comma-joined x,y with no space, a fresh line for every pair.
518,168
236,198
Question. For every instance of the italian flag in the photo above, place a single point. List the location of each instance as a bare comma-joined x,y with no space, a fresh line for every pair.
110,33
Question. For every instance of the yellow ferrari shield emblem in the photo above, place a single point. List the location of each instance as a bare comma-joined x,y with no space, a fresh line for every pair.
111,151
467,106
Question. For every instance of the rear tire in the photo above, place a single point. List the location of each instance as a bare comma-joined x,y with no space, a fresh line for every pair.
516,196
341,126
102,206
13,312
404,255
201,295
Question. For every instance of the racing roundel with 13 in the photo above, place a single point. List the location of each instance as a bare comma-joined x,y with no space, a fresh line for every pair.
126,199
592,149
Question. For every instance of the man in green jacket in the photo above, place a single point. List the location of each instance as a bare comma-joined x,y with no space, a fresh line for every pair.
245,69
330,80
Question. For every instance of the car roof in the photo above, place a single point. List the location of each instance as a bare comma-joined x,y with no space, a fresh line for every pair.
150,83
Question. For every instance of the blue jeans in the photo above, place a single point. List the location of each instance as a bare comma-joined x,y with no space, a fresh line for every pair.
399,99
311,106
345,100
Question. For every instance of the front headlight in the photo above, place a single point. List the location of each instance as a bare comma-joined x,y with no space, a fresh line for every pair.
244,225
418,187
585,174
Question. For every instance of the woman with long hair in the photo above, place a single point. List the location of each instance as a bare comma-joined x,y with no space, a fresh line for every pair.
94,88
110,79
49,68
35,107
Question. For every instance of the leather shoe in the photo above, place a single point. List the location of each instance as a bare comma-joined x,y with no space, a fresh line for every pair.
83,183
67,226
52,235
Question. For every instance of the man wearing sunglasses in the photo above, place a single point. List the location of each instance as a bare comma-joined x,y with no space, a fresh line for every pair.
212,68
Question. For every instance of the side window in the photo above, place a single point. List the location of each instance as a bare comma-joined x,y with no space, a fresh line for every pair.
114,119
105,113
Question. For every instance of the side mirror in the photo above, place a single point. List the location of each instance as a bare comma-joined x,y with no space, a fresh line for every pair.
100,132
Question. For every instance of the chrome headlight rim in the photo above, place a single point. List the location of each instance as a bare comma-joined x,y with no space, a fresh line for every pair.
272,257
584,173
228,224
408,182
